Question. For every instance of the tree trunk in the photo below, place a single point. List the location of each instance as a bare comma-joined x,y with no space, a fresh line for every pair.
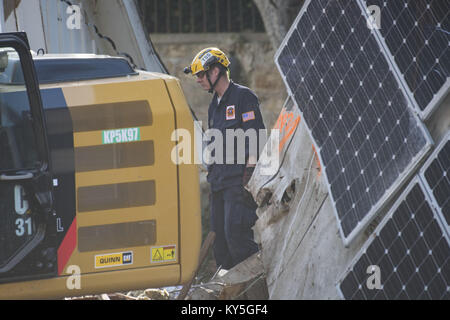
278,16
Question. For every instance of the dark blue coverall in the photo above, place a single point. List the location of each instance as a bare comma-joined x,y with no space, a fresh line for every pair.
233,210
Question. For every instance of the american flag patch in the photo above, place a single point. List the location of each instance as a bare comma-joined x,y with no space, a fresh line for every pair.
248,116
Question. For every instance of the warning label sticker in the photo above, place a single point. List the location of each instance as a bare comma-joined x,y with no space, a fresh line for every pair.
113,259
163,254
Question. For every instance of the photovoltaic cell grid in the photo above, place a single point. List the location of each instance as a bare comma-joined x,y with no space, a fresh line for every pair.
411,251
417,34
436,175
358,116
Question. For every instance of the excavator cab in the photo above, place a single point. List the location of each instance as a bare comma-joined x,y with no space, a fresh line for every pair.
26,195
91,200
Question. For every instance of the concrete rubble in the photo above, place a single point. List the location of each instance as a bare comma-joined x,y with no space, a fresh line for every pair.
244,281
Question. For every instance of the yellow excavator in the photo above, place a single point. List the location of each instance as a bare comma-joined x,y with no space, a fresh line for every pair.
90,199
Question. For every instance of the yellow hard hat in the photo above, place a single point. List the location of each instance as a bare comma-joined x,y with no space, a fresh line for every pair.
205,59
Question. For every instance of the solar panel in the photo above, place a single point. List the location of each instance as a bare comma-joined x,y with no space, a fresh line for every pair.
436,175
410,250
360,119
416,33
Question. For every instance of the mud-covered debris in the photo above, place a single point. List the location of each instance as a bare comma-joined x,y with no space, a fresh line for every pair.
157,294
245,281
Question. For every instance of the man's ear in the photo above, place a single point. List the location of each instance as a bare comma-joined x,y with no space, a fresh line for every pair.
215,71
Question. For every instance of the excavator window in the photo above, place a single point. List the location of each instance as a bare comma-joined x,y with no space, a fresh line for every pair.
23,156
17,145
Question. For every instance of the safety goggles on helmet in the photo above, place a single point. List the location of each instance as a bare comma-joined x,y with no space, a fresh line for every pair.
205,59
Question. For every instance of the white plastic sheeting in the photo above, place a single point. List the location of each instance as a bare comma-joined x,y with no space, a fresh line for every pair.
56,27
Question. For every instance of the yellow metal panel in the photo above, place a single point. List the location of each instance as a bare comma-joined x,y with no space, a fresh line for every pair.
117,216
118,175
120,96
190,211
176,213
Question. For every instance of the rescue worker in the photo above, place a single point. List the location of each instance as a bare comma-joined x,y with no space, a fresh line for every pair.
233,210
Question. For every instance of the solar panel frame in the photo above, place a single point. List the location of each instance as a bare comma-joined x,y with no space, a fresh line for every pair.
362,253
408,170
428,188
438,97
